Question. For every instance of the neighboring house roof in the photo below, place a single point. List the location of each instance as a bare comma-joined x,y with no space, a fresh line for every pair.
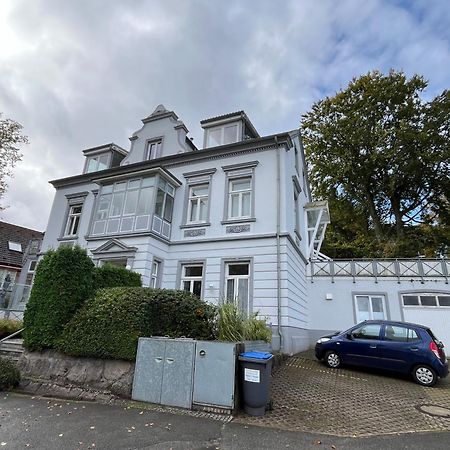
15,234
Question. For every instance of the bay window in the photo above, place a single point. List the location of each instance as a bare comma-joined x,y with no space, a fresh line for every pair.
124,206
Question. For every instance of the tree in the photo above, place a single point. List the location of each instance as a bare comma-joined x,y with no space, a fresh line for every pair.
10,137
376,147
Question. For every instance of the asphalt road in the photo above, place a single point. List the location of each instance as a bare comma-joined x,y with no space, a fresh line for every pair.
41,423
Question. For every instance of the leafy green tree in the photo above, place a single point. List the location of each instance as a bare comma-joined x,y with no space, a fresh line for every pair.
382,154
10,137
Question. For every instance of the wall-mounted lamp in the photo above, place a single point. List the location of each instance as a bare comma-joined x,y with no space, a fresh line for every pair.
329,296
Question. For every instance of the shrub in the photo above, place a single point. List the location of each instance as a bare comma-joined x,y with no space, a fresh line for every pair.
109,325
112,276
9,374
9,326
234,326
62,283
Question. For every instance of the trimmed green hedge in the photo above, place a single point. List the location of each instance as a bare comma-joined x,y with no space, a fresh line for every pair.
108,276
62,283
9,374
109,325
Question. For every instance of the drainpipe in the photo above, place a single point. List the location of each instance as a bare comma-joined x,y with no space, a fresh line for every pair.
280,333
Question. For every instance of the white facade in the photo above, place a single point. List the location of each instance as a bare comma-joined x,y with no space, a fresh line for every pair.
244,243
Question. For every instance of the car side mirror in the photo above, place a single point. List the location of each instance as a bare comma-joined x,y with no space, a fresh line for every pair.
349,336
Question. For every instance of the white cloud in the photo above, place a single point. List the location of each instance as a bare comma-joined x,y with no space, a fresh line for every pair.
79,74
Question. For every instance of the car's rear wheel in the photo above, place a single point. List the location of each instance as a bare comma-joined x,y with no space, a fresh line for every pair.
332,359
424,375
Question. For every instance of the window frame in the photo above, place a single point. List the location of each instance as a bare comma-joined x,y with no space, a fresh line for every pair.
70,215
14,246
235,172
155,277
383,296
192,279
158,152
190,197
240,195
436,295
225,276
221,127
97,159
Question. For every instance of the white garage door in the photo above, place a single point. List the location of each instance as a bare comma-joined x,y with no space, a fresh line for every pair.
432,310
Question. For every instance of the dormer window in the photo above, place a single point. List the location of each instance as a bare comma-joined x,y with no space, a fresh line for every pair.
221,135
228,129
96,163
153,150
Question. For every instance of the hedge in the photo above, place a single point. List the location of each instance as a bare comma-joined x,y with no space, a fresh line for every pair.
9,374
62,283
112,276
109,325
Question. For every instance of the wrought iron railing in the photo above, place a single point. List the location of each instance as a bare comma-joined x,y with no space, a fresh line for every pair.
420,268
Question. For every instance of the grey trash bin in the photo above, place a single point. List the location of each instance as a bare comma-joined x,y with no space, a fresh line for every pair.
256,370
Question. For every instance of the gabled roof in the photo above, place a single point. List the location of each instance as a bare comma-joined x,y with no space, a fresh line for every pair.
20,235
159,113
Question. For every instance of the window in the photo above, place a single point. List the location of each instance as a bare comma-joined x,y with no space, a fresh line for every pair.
370,307
153,150
32,267
198,204
124,207
96,163
154,278
164,200
369,331
73,220
396,333
15,246
224,134
237,277
426,299
34,246
296,218
239,198
191,279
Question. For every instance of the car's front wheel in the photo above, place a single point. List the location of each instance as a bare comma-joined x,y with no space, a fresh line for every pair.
332,359
424,375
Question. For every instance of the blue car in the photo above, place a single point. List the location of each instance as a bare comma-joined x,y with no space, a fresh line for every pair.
394,346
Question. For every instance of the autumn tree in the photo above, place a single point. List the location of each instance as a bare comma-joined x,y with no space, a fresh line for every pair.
381,153
10,138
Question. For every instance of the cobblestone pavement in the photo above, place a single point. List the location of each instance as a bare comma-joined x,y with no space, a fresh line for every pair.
310,397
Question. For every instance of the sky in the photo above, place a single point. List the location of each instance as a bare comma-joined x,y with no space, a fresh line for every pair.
77,74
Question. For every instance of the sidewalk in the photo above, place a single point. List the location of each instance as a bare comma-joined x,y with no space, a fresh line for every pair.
40,423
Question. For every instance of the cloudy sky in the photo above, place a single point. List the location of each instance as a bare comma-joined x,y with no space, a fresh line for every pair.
77,74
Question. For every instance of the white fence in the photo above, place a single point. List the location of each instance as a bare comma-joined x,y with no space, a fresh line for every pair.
422,269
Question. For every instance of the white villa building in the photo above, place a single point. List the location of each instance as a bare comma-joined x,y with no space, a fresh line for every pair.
234,220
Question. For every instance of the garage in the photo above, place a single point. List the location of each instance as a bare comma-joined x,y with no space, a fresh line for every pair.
430,309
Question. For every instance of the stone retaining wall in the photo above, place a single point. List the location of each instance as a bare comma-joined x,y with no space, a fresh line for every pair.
55,374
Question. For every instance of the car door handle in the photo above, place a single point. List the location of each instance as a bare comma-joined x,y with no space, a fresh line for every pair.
373,346
414,349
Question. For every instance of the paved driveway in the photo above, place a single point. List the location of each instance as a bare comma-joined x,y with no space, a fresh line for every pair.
348,402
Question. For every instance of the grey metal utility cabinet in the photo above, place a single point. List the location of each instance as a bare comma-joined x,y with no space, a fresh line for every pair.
164,371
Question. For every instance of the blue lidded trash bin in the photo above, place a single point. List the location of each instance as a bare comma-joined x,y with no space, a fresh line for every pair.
256,370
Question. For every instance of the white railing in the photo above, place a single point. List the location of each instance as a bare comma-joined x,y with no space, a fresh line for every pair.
419,268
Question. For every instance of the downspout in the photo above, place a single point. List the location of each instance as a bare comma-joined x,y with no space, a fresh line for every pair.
280,333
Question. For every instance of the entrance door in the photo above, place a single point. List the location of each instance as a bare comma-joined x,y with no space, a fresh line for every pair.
370,307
